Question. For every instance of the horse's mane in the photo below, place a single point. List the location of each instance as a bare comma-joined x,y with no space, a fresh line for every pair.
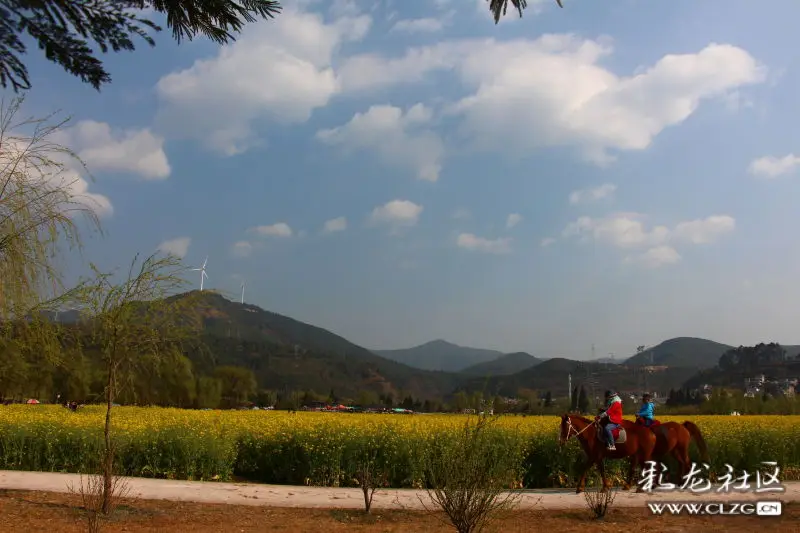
577,416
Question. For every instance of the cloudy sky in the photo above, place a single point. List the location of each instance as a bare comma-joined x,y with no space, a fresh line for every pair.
616,173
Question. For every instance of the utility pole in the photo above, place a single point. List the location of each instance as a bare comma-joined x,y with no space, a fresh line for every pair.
569,390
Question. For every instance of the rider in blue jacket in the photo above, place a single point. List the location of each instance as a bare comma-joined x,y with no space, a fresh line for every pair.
646,412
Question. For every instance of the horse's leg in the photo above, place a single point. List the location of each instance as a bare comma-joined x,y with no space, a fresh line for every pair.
675,477
643,456
582,480
682,455
601,465
631,472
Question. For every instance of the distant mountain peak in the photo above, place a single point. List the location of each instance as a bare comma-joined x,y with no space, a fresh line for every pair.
439,342
440,355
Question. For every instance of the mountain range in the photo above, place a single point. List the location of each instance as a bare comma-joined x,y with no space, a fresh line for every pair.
286,354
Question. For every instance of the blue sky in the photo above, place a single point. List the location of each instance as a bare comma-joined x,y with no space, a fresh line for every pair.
616,173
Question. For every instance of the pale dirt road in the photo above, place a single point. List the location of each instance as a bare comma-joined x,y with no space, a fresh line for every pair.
349,498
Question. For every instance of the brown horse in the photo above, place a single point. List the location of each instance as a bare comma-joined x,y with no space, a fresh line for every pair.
639,445
673,438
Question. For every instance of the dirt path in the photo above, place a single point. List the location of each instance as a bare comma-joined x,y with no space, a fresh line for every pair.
48,512
348,498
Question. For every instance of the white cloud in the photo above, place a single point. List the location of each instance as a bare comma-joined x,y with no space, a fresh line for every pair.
79,190
552,91
17,149
704,231
772,167
571,100
592,194
102,149
177,247
242,249
279,229
628,231
623,230
421,25
279,70
656,257
344,8
512,220
397,214
400,138
334,225
461,213
471,242
547,241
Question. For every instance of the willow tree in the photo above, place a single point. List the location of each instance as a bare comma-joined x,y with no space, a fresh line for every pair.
499,8
70,33
42,215
135,325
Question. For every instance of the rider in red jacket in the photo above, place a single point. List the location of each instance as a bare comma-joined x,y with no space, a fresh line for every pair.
614,413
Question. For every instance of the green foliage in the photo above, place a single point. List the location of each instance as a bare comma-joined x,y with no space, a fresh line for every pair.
66,30
39,213
751,358
324,449
137,331
598,500
237,385
209,392
500,7
583,401
371,466
472,475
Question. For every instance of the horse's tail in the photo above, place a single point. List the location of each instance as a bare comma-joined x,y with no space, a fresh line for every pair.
694,431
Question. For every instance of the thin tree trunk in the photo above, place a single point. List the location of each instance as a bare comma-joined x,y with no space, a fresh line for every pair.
108,456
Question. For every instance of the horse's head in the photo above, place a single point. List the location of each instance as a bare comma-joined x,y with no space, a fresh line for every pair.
571,426
567,430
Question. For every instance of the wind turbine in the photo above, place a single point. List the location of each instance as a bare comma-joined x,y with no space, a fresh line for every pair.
243,292
203,274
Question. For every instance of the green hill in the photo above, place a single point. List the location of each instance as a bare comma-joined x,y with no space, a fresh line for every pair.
440,355
286,353
287,358
772,360
507,364
552,375
681,352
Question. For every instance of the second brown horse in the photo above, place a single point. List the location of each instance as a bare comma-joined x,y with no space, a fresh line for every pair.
673,439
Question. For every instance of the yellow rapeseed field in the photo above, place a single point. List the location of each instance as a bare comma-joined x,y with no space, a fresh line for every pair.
322,448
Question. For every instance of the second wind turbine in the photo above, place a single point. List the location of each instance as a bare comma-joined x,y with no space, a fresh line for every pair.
203,274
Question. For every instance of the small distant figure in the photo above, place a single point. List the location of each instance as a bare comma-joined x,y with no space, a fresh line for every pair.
646,413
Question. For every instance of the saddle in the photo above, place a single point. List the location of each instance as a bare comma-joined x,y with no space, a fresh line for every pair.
618,433
652,425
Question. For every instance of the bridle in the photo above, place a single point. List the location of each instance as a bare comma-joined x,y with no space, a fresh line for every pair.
571,428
